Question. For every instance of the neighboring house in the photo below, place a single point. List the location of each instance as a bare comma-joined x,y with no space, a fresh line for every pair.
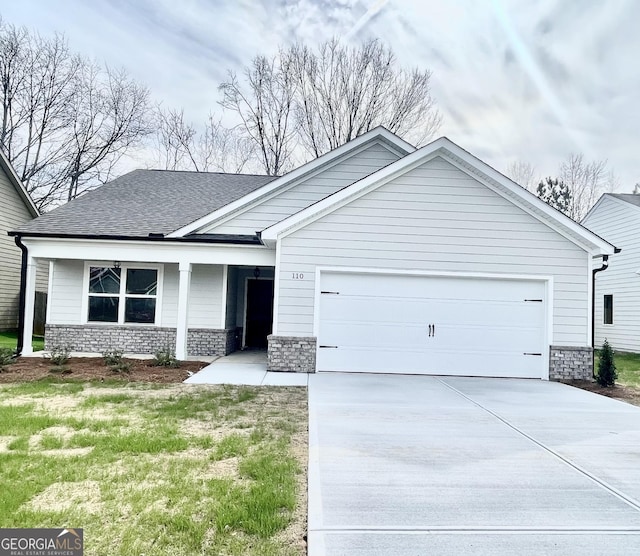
16,208
616,217
375,257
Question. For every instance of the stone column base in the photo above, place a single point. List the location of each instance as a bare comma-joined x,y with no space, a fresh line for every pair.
570,363
291,354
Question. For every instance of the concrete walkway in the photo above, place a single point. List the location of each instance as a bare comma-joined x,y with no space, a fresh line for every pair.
418,465
245,367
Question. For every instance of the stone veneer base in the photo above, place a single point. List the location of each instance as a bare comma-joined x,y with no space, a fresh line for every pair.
291,354
138,339
570,363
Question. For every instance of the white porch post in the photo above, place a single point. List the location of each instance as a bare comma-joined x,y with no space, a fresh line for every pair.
183,310
29,307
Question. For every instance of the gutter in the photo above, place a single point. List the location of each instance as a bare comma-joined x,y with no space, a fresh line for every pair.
157,238
23,296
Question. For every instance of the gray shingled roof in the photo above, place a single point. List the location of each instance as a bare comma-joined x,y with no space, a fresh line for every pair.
146,201
632,198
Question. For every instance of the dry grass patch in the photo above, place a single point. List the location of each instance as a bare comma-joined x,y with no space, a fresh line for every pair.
180,469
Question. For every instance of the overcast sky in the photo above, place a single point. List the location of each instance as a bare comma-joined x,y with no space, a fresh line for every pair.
515,80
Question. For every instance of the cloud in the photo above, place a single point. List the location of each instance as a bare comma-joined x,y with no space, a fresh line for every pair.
514,80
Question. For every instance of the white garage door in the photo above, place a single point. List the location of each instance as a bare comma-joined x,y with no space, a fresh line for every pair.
431,325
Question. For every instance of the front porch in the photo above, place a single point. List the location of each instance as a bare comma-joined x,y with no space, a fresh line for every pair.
217,301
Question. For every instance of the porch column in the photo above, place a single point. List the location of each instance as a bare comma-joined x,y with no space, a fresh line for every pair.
29,307
183,310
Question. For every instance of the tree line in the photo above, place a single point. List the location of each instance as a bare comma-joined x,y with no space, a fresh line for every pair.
574,189
67,121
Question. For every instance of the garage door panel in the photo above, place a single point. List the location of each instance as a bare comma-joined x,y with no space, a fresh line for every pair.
364,335
438,362
381,323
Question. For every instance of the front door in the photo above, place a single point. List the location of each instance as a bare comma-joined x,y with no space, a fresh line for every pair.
259,312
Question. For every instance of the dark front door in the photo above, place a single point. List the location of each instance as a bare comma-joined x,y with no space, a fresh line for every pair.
259,312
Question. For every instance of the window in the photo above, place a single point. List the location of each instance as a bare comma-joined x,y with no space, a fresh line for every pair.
122,295
608,309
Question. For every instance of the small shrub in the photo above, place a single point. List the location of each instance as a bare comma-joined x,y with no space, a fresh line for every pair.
165,357
606,375
112,357
59,355
6,357
121,367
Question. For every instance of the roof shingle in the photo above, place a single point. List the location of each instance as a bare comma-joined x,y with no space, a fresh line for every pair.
632,198
146,202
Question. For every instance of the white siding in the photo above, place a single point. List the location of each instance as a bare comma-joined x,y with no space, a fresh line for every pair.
619,223
65,303
205,303
206,296
13,213
170,296
313,189
434,218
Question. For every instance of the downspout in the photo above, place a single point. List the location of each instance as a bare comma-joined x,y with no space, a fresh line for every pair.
23,296
605,265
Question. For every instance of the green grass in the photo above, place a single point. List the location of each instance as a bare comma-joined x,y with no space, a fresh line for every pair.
152,471
10,340
627,367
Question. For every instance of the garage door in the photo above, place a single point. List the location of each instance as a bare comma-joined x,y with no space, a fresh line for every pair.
431,325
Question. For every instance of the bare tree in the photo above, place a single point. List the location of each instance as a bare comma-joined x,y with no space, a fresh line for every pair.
175,141
343,92
65,121
585,181
523,174
216,148
264,103
109,116
320,99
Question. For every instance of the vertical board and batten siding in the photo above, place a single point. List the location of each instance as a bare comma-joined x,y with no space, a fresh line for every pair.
206,297
619,223
434,218
317,187
65,303
205,301
13,213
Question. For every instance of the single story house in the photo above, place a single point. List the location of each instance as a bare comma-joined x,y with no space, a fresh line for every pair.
616,217
375,257
16,208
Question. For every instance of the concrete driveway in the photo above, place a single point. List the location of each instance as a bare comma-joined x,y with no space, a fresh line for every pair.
428,466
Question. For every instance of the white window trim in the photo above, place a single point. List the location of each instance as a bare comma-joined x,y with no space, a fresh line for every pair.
122,294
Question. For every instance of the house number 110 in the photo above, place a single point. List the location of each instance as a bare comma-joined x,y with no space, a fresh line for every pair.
297,276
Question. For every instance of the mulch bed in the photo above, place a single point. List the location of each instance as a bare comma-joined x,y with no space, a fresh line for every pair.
627,394
94,369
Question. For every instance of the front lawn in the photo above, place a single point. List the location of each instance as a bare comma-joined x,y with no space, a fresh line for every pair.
628,368
157,469
10,340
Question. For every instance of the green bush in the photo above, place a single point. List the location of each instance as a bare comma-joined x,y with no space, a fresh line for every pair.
59,355
165,357
606,375
112,357
6,357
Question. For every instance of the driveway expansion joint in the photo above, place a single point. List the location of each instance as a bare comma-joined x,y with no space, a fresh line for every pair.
630,501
